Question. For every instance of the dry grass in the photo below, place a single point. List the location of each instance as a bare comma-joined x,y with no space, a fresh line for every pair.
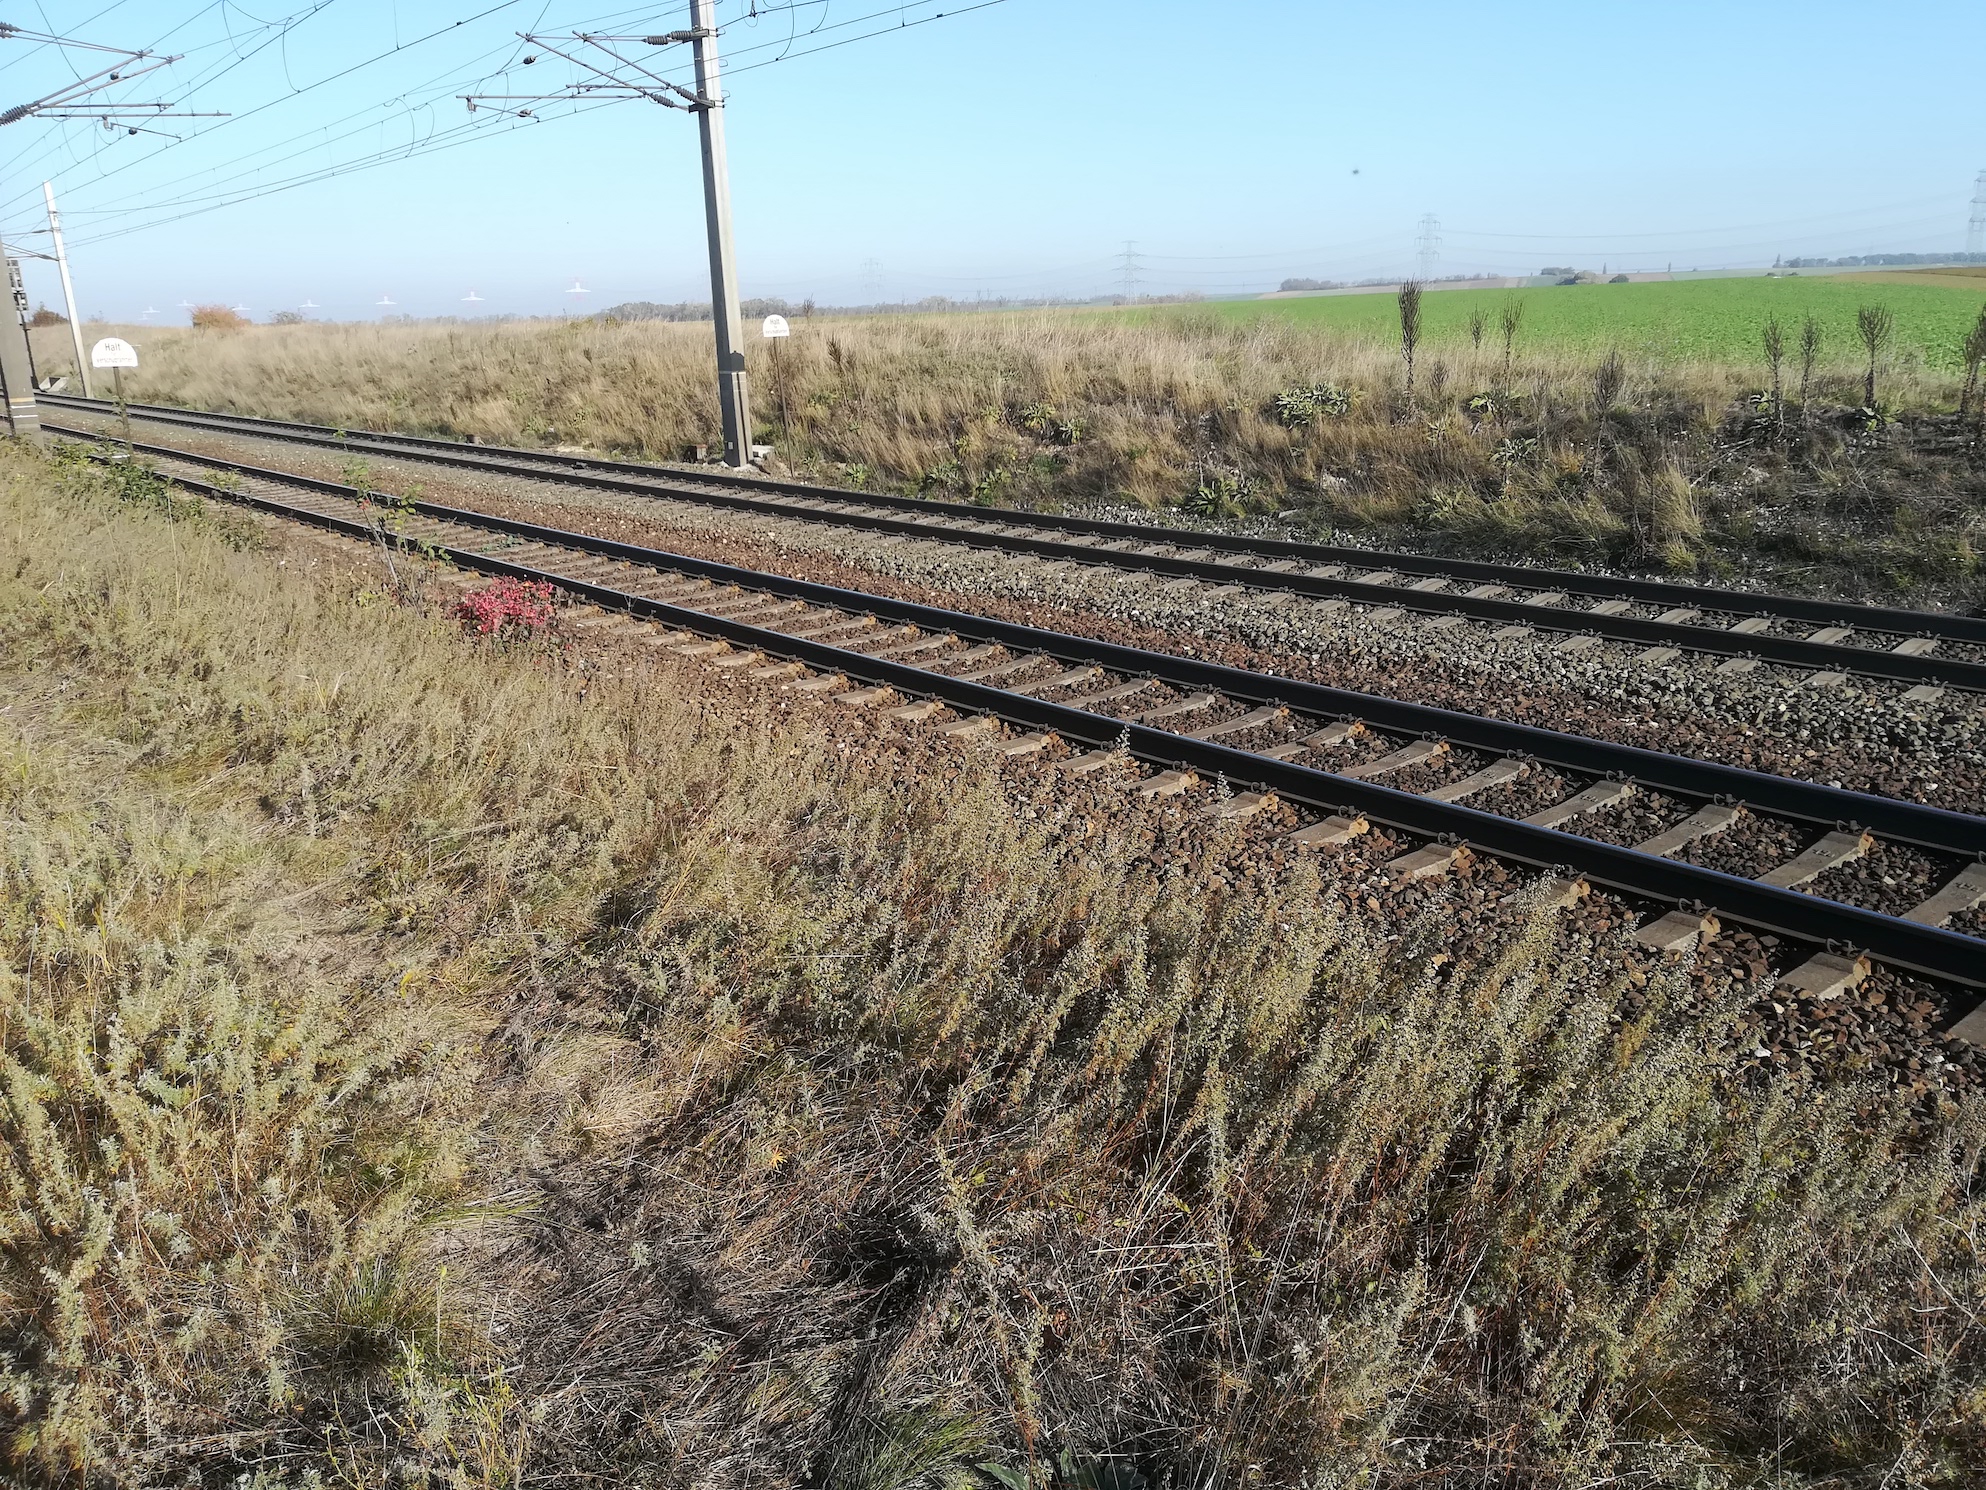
422,1067
1053,409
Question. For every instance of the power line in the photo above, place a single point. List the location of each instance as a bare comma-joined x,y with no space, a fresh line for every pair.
462,135
77,99
295,93
943,15
57,141
445,139
76,26
306,142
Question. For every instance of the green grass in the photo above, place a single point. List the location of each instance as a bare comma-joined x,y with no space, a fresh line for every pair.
1704,320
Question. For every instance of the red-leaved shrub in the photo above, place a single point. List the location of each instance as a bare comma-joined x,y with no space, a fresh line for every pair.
506,607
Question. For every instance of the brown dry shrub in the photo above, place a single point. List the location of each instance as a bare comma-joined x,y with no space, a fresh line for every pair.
216,318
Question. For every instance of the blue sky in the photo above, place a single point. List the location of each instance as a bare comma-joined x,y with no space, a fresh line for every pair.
1010,149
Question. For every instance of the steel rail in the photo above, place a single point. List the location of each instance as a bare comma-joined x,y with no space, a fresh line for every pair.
1777,796
1933,951
1786,651
627,475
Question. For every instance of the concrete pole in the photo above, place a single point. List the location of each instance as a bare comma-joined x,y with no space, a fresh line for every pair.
733,396
16,372
68,291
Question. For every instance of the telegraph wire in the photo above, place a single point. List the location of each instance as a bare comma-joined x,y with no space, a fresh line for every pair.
78,25
446,139
299,92
380,156
214,73
58,140
314,136
867,36
333,172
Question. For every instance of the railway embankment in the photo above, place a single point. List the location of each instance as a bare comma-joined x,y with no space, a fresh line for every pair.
410,1036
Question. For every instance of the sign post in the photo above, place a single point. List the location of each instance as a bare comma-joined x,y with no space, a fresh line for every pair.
776,331
115,353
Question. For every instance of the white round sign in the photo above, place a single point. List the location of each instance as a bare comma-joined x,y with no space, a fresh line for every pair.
776,326
113,351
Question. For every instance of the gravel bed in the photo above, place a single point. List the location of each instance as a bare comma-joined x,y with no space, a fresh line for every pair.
1887,1026
1749,847
1440,771
1068,693
1207,715
951,664
1537,789
1969,923
1033,672
1714,620
1893,878
1356,750
1153,695
1860,735
1634,819
1262,736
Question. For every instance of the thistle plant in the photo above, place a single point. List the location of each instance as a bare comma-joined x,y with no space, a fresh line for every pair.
1973,353
1811,341
1410,332
1509,318
1877,325
1608,380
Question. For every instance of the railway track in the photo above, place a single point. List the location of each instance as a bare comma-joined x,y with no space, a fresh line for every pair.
1827,640
1763,850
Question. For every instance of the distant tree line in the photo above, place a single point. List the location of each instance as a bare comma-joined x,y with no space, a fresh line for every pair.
699,310
1388,279
1566,273
772,305
1871,261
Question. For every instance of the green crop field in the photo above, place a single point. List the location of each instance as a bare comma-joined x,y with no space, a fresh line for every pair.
1703,320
